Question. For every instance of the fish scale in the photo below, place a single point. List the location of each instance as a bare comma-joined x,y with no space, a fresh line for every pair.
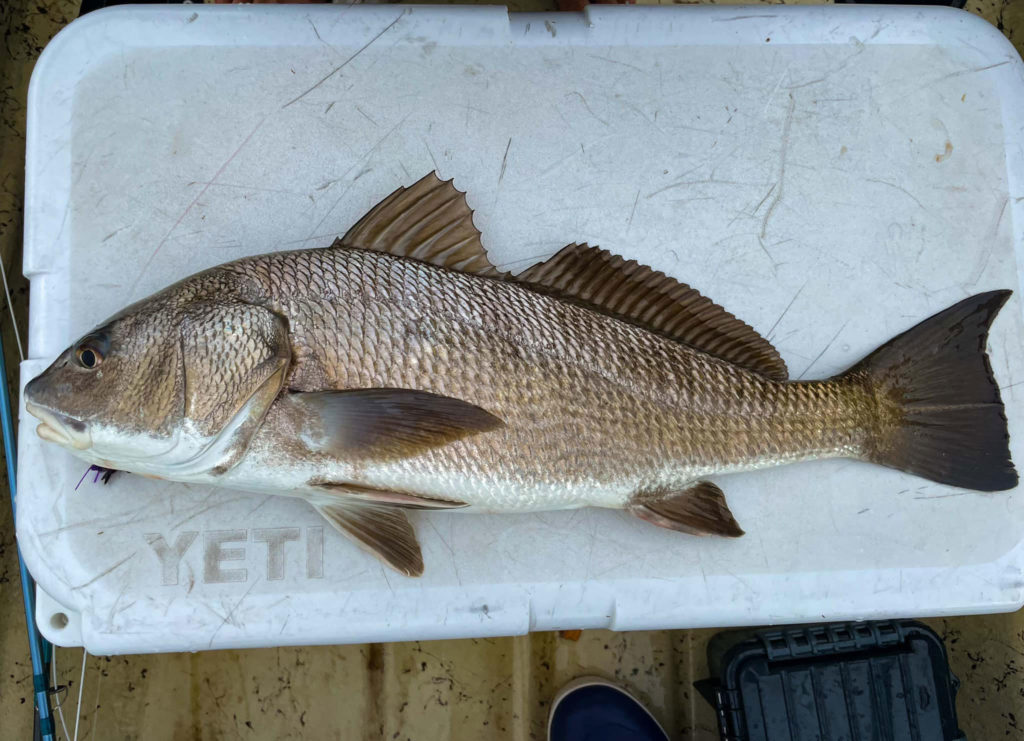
398,368
641,411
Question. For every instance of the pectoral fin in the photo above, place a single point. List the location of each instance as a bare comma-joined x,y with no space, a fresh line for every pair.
391,423
384,531
698,510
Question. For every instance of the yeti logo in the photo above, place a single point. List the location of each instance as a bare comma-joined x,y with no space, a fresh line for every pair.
223,546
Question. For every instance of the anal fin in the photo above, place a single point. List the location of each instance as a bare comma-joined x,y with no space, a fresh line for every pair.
698,510
382,530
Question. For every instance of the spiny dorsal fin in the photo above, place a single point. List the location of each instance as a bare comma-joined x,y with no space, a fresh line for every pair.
429,221
651,299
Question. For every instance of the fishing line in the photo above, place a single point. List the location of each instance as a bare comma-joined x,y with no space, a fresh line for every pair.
10,308
60,711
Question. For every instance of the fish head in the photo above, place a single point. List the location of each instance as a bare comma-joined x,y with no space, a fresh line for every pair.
120,381
166,388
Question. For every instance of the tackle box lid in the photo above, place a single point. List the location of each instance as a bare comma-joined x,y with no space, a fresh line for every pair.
831,175
879,679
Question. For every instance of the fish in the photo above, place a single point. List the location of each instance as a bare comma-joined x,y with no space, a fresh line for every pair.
399,369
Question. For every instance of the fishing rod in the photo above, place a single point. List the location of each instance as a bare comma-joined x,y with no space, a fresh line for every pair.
39,648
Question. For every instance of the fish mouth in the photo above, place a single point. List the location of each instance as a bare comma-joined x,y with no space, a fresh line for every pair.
60,428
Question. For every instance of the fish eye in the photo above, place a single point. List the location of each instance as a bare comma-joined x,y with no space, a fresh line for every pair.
88,356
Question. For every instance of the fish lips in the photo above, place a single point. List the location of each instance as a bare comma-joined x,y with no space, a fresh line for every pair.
60,428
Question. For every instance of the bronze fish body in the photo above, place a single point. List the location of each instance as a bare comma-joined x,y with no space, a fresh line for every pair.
398,369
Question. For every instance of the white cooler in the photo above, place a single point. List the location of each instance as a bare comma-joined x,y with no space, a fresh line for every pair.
831,175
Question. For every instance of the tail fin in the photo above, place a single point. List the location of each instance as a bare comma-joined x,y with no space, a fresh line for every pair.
940,415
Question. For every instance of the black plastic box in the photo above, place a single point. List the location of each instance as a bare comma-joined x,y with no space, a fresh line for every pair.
874,681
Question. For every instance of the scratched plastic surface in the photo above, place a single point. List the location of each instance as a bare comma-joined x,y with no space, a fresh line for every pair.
831,175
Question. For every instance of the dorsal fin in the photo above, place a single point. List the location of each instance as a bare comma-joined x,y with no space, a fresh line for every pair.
429,221
651,299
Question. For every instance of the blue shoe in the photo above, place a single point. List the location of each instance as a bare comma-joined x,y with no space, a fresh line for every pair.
594,709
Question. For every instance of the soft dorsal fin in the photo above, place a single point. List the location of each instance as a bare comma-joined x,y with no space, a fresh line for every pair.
651,299
429,221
